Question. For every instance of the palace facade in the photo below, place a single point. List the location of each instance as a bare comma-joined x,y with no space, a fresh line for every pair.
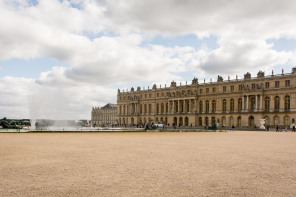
104,115
240,102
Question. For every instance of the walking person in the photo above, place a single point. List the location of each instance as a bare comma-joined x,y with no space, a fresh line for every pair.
293,129
232,127
277,128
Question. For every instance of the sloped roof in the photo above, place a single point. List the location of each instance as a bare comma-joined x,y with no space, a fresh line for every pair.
109,105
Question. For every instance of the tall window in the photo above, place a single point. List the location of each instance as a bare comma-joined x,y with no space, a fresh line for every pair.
224,105
287,102
213,106
253,86
207,106
200,106
240,104
266,85
276,103
207,121
157,108
224,88
214,89
240,87
207,90
253,103
287,83
232,88
200,91
231,104
277,84
266,103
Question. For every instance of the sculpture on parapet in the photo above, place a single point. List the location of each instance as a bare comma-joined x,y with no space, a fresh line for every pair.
247,75
260,74
220,79
173,84
154,87
194,81
138,88
294,71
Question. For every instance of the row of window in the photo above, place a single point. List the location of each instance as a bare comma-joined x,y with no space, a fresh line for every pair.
213,90
253,105
240,104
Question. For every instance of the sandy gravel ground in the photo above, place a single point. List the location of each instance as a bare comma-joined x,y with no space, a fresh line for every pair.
148,164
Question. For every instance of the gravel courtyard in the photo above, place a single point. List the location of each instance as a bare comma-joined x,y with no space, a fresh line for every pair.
148,164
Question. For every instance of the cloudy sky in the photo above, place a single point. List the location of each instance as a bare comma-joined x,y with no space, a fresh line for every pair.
58,58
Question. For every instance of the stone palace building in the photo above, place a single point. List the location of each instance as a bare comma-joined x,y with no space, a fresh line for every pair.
239,102
105,115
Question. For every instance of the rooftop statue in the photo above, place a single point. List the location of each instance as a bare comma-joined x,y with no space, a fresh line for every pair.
260,74
194,81
247,75
220,79
173,84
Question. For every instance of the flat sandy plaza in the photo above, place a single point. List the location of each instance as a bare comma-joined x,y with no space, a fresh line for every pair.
148,164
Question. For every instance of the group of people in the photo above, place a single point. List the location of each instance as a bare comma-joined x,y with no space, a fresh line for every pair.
279,128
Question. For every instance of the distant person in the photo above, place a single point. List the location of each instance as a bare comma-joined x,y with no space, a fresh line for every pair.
277,128
232,127
293,129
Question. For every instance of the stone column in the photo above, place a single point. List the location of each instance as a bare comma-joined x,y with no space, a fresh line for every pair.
271,106
189,110
184,105
255,103
173,110
243,103
169,107
260,108
178,110
282,102
247,104
195,107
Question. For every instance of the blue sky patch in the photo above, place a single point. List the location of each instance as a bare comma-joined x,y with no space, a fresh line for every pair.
283,44
184,40
27,68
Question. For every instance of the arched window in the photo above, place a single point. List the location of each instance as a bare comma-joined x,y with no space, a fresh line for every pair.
224,105
213,106
287,102
200,121
231,104
240,104
276,103
213,120
157,108
276,120
287,121
200,107
207,106
207,121
267,103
